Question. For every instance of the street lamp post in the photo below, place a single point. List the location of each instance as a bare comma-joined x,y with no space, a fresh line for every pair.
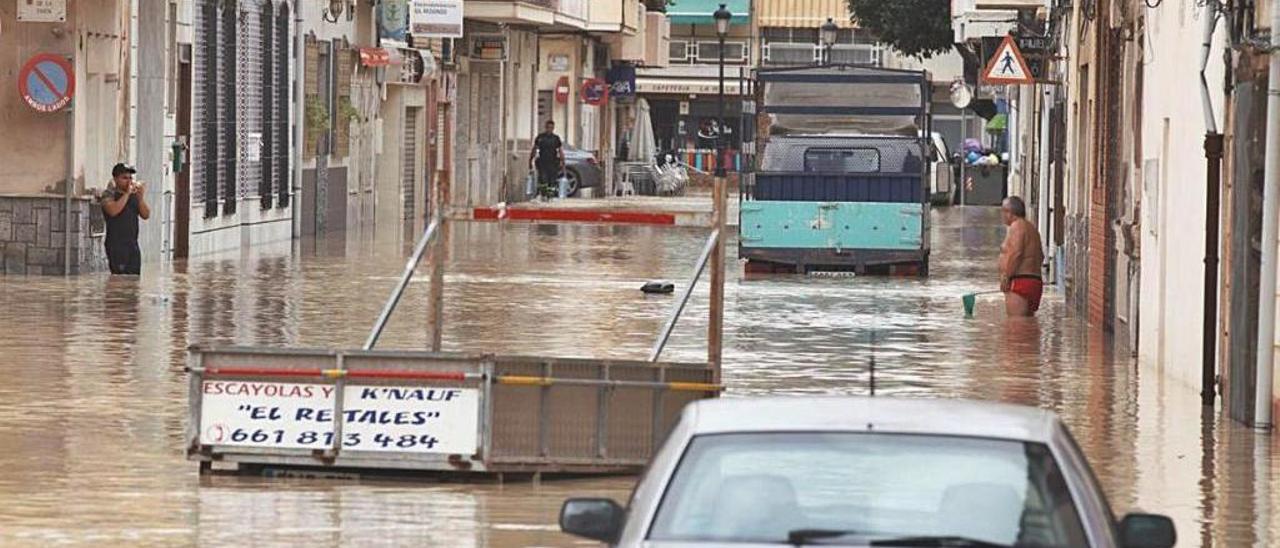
828,36
715,325
722,17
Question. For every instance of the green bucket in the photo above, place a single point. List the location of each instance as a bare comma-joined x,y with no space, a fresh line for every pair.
969,301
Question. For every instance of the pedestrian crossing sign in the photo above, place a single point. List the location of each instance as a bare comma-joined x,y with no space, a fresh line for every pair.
1008,66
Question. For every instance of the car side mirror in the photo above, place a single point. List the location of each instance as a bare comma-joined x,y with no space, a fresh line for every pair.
596,519
1147,531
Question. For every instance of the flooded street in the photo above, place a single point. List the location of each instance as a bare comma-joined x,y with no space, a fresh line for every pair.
93,410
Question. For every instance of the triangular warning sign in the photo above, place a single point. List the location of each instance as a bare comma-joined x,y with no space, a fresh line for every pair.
1008,66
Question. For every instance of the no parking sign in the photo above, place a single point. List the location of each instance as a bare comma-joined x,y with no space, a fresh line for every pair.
46,82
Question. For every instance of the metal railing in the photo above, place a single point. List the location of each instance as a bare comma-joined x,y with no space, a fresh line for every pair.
674,317
409,268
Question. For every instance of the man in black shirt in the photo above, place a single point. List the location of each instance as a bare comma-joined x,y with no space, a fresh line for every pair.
548,156
122,204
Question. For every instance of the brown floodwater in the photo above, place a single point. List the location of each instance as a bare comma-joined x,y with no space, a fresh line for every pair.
93,403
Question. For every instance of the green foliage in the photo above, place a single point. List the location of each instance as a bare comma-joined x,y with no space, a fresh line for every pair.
917,28
317,114
346,110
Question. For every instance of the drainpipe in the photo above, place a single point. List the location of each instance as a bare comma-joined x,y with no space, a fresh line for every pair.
1267,292
1043,218
69,186
1213,180
299,95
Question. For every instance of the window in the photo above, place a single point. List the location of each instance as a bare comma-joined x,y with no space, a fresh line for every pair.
760,487
734,52
842,160
679,52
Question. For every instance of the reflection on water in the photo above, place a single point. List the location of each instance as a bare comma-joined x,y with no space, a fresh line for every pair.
93,409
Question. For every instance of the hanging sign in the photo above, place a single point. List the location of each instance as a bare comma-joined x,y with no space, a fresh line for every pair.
393,23
46,82
436,19
622,81
1008,66
42,11
488,47
595,91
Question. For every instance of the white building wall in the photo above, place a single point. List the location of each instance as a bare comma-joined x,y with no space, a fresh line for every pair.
1173,197
250,225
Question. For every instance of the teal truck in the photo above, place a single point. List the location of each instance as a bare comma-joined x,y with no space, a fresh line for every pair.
843,174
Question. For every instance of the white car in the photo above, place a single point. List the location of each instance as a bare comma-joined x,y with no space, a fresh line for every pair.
852,471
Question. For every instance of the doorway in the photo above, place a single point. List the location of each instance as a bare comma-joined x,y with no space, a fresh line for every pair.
182,190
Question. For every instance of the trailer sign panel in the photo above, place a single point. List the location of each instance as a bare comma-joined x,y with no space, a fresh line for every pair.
401,419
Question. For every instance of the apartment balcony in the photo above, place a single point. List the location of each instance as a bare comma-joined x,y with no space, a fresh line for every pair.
686,50
556,14
977,19
792,54
615,16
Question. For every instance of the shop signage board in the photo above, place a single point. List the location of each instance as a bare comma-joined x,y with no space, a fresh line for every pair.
42,11
398,419
436,19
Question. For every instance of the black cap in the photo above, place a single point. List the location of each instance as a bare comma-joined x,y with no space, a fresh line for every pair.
122,168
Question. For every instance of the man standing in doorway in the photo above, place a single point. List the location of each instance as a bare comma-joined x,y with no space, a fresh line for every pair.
548,156
1021,257
122,204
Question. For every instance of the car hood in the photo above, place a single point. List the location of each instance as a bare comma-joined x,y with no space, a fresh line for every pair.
660,544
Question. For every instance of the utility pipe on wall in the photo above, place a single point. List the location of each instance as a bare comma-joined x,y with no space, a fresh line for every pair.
1213,172
1270,202
299,138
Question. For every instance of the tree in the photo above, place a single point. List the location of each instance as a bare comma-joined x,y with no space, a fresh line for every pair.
917,28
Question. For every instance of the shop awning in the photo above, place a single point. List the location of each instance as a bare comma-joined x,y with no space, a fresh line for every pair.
803,14
685,86
999,122
698,12
375,57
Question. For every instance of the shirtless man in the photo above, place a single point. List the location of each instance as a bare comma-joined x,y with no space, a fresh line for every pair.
1021,257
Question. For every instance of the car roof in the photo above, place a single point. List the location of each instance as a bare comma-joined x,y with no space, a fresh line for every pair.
952,417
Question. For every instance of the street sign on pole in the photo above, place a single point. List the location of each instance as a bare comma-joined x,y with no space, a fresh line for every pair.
1008,66
46,82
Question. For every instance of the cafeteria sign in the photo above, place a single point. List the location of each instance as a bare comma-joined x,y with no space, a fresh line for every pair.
436,19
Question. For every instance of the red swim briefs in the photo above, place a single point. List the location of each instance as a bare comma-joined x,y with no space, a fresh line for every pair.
1028,288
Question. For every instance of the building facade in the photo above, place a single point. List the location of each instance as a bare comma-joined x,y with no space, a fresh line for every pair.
56,156
1147,147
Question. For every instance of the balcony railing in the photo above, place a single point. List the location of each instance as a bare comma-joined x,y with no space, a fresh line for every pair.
788,53
686,51
576,9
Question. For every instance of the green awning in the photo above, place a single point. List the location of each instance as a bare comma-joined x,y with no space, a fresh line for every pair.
999,122
698,12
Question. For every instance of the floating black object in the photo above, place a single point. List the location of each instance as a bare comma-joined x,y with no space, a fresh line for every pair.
658,287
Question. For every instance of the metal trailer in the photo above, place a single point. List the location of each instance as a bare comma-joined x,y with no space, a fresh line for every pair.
367,409
530,414
867,214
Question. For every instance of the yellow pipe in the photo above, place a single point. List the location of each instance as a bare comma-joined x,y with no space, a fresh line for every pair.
524,381
544,381
334,373
694,387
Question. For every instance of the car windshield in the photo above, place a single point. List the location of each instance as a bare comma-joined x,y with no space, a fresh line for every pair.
848,488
